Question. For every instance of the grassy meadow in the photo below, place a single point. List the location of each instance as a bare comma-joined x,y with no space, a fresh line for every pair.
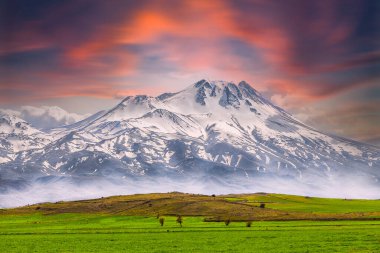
130,224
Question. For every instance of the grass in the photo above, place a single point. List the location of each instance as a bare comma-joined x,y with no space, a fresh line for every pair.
104,233
307,204
129,224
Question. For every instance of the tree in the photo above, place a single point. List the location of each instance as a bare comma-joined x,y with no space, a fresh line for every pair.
162,220
179,220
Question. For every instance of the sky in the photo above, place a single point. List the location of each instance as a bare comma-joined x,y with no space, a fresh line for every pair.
319,60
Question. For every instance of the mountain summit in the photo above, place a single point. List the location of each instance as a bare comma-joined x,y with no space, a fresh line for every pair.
215,132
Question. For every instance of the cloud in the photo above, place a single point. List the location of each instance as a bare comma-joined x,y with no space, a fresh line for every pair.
115,40
46,117
359,120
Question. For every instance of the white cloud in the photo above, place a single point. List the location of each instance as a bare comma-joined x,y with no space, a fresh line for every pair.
46,117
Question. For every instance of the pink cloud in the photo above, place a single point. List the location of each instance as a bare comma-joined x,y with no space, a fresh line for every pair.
193,36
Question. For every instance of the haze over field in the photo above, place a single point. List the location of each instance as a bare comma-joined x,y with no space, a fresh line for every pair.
349,188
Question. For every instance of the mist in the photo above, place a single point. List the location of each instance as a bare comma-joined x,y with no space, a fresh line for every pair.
67,190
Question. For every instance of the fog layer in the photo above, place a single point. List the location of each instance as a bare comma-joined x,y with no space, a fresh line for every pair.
63,190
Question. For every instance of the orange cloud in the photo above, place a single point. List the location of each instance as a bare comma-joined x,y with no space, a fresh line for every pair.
195,36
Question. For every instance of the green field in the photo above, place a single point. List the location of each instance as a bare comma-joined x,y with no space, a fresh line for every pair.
129,224
308,204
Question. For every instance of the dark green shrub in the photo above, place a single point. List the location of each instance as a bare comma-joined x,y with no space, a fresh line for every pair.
179,220
162,221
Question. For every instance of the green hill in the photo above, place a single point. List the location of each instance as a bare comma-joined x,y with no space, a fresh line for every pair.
236,207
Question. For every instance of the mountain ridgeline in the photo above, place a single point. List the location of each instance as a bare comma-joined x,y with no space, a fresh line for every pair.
216,136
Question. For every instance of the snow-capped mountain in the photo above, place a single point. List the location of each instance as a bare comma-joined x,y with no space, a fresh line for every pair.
213,131
18,135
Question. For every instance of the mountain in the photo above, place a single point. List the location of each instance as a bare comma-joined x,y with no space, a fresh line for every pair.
213,133
17,135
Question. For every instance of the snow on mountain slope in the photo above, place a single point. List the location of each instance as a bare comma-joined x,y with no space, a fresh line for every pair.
132,107
18,135
214,131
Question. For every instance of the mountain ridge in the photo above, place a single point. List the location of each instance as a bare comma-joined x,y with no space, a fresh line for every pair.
216,132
